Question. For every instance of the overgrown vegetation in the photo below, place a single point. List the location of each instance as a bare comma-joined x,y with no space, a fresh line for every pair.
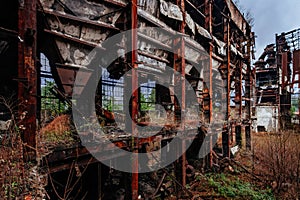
58,132
51,106
19,179
231,187
147,101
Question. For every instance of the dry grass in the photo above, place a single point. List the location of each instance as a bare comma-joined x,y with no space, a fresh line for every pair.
59,125
277,160
59,131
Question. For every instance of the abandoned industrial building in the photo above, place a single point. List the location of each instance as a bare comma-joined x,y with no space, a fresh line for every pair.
170,77
275,81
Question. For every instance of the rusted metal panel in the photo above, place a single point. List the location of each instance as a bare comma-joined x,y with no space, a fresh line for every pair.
296,64
296,60
67,77
284,68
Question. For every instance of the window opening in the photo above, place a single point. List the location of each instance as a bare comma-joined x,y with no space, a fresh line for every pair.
112,92
147,96
51,106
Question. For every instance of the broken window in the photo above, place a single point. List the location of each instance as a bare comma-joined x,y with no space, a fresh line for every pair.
266,79
112,92
51,106
147,96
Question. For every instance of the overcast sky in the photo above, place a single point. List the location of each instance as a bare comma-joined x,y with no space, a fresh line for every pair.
271,17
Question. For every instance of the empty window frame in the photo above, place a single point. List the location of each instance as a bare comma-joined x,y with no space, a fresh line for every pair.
112,92
147,96
50,104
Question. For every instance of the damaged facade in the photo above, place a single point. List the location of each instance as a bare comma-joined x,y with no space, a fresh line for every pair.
213,54
277,72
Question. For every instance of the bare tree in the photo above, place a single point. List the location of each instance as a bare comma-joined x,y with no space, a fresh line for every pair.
246,12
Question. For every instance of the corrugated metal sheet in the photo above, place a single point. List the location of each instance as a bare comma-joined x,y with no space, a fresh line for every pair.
284,65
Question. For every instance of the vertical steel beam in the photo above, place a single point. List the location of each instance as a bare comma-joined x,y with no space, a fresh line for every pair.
210,81
238,88
279,90
177,108
208,26
135,97
248,88
181,4
227,41
228,83
27,91
238,100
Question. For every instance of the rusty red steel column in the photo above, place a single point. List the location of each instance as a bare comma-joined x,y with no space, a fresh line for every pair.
249,88
182,82
238,102
208,25
176,79
210,82
228,117
238,88
134,111
228,84
27,73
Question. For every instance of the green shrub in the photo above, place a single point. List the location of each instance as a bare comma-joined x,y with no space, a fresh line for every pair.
232,187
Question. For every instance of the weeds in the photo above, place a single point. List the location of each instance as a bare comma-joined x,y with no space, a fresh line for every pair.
58,132
232,187
18,178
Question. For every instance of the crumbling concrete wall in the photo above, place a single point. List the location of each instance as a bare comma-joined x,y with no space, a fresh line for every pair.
267,119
